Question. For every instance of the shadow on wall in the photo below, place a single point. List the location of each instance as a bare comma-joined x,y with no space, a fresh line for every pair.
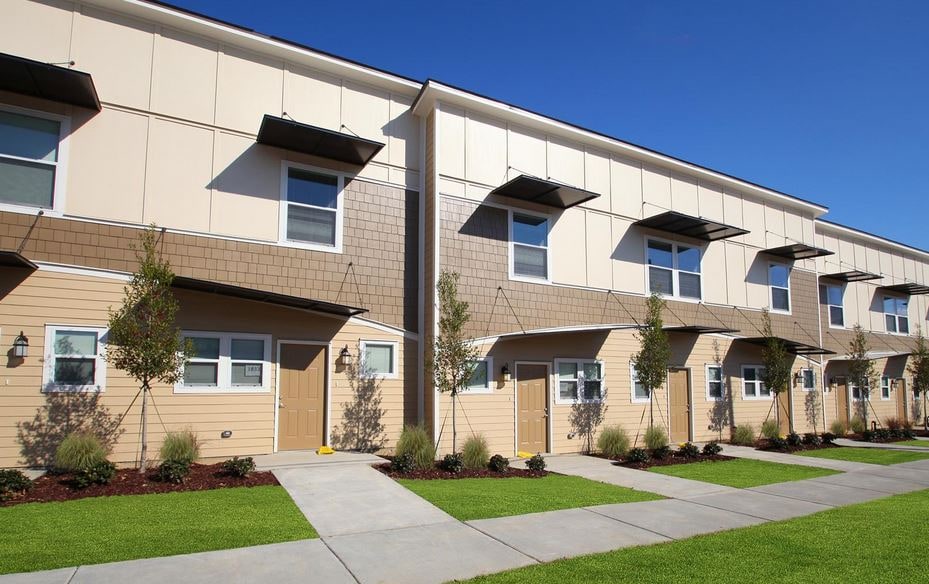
362,428
720,416
62,414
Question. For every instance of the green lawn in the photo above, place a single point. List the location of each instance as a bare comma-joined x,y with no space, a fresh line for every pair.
871,542
467,499
41,536
742,473
870,455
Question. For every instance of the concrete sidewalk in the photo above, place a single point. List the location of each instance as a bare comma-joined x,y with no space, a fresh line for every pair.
884,446
784,458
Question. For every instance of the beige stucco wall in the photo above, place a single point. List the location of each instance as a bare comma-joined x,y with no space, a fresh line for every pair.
29,303
175,142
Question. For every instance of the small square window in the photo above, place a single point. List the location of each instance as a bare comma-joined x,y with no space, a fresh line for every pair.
226,363
481,377
639,391
379,358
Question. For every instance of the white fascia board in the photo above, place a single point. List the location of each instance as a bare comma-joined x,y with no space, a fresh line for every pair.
822,226
434,91
265,45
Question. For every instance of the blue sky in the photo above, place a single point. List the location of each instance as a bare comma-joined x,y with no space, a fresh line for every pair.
825,100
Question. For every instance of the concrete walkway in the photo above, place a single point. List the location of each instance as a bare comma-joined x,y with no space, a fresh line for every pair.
884,446
373,530
784,458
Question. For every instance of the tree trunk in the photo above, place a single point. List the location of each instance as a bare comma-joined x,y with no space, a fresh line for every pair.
454,427
651,408
144,450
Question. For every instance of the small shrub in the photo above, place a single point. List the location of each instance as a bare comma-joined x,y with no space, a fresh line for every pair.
794,439
498,463
777,443
453,463
613,442
906,424
712,449
536,463
78,451
688,450
638,456
662,452
828,437
475,452
239,467
907,434
13,482
173,471
655,437
857,425
99,473
877,435
183,446
811,439
893,424
403,463
770,429
838,428
744,435
415,441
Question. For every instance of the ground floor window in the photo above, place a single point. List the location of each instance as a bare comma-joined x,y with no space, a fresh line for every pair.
73,359
481,380
227,362
714,382
640,393
885,387
753,386
808,378
856,391
379,358
579,379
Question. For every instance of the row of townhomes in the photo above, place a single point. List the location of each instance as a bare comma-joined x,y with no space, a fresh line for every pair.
308,204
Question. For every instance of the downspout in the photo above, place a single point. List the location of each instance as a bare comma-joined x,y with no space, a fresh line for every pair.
819,317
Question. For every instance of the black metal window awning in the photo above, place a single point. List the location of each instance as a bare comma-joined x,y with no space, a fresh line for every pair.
696,227
852,276
316,141
37,79
793,347
544,192
909,288
14,259
697,329
268,297
797,251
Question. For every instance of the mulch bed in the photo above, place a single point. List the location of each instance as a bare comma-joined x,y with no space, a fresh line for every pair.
670,460
128,481
764,444
437,473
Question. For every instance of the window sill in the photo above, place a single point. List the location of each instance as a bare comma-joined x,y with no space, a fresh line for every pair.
640,400
220,390
529,279
27,210
782,312
679,298
574,402
757,398
476,391
53,388
311,246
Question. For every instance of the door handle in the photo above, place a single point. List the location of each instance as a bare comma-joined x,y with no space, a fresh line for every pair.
280,404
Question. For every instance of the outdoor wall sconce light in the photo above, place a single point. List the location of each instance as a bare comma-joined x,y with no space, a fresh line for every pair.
21,346
798,377
345,357
505,370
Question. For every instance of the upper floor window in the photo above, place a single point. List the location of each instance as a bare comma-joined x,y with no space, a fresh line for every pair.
582,378
714,382
227,362
73,359
311,210
831,297
779,280
529,235
752,384
380,358
896,314
674,269
28,159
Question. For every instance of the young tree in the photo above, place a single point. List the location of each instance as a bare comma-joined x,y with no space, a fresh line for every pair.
861,372
454,355
919,365
652,361
144,339
776,360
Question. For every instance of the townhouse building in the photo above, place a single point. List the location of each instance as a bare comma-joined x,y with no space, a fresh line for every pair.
308,204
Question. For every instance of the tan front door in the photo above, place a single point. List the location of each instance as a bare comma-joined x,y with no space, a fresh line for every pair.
783,411
841,393
532,408
679,406
900,390
302,401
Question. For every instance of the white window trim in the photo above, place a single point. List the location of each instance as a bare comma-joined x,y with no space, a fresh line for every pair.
61,166
803,379
224,373
851,390
771,287
362,346
675,270
632,377
580,379
890,387
489,388
286,165
896,316
829,306
548,247
48,368
722,382
759,396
